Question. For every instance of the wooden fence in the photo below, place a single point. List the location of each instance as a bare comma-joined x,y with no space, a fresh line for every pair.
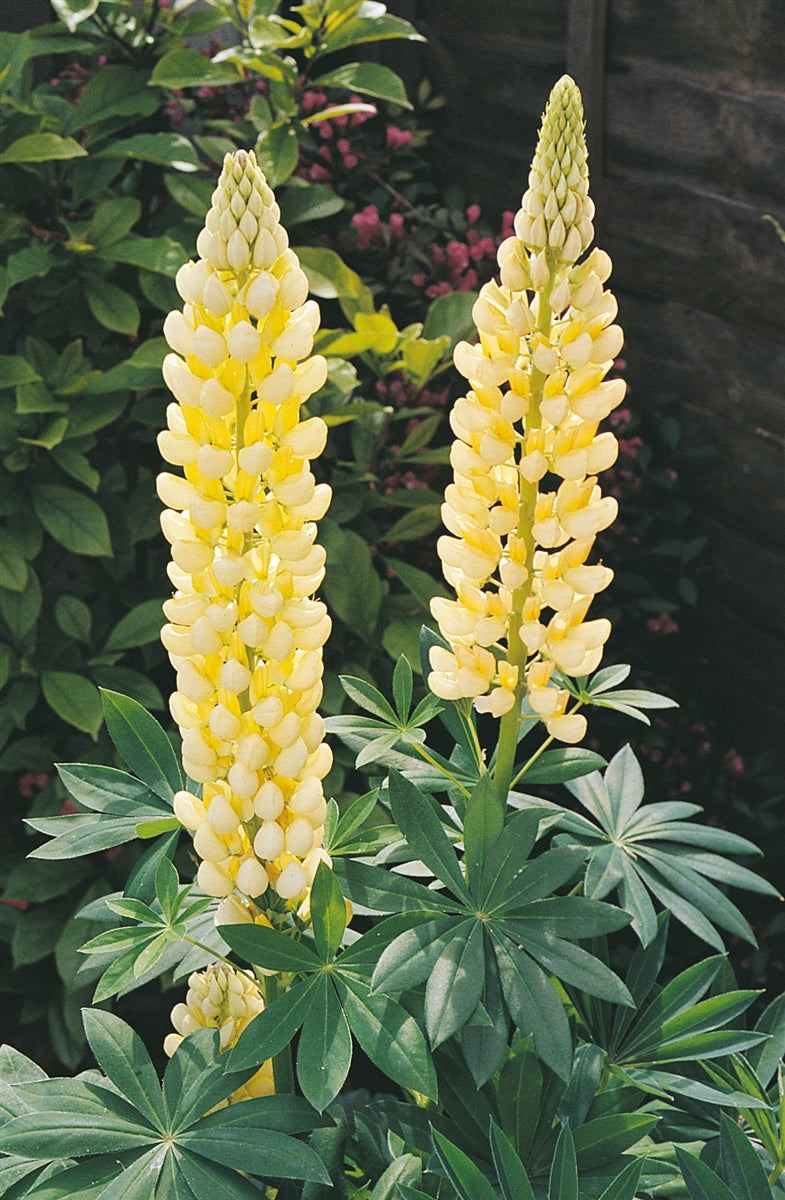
685,105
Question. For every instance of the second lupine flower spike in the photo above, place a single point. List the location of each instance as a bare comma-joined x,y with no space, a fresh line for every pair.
525,507
245,632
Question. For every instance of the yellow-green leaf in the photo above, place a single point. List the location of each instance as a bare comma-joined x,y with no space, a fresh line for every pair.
42,147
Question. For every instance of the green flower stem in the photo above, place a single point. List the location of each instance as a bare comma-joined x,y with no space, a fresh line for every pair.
242,413
516,650
540,750
209,950
424,754
283,1071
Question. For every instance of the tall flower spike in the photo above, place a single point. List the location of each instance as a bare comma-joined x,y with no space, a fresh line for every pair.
525,507
245,631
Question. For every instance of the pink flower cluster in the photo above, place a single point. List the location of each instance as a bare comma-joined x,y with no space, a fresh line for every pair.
458,261
337,150
31,782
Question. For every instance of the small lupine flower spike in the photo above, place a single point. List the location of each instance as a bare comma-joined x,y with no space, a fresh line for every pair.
227,999
245,632
525,507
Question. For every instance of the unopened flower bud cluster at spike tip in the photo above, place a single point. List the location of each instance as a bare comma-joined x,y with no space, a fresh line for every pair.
227,999
525,506
245,631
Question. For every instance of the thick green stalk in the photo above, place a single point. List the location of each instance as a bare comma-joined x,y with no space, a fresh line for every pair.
516,651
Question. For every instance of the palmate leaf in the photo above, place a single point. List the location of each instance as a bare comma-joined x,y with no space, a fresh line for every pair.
121,803
153,1135
504,908
125,807
673,1024
642,851
185,939
601,691
334,999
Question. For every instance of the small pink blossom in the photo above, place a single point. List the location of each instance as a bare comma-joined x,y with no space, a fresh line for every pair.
437,289
457,255
484,248
662,625
397,137
418,279
31,782
473,213
508,223
469,281
396,224
733,763
630,446
312,101
368,226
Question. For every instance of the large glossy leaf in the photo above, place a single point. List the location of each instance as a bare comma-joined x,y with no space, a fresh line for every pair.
702,1183
352,587
112,307
142,743
370,79
166,149
224,1137
41,147
273,1028
184,68
389,1036
74,520
415,817
456,982
269,948
513,1179
324,1052
464,1175
535,1007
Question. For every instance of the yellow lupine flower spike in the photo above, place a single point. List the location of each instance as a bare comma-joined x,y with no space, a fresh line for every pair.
227,999
525,507
245,630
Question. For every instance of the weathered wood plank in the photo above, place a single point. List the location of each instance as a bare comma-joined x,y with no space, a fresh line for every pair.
735,376
726,141
586,65
673,241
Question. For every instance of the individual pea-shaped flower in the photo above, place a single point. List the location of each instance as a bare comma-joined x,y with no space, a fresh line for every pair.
245,630
227,999
525,507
